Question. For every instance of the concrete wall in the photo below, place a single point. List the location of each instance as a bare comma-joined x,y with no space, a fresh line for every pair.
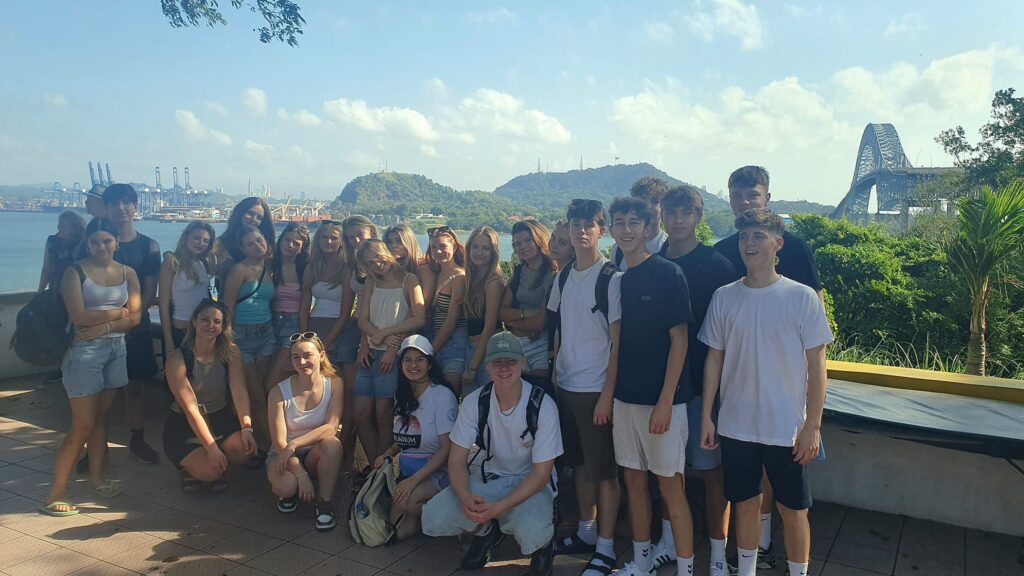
10,365
874,472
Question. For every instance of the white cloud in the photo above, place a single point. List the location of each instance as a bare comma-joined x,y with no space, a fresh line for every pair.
218,108
797,11
302,117
429,151
359,159
196,131
500,14
255,100
55,101
436,87
387,119
251,146
507,115
910,24
728,18
659,32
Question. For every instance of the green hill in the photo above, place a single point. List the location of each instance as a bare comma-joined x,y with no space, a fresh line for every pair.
554,190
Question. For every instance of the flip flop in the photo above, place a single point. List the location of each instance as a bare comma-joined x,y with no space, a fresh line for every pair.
108,490
51,510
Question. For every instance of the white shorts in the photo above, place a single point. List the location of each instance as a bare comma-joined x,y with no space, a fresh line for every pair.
636,448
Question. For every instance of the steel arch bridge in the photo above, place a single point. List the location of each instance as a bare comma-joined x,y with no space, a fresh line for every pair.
882,165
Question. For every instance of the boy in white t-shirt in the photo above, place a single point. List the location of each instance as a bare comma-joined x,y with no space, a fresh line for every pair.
589,334
512,493
766,337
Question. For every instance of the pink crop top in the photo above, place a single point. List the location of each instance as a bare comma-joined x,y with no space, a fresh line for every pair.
287,298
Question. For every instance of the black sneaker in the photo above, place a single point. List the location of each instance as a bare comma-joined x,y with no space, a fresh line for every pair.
288,505
766,557
54,378
144,452
480,550
325,516
542,562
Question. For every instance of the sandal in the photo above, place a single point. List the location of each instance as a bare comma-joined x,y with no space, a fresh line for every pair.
108,490
288,505
573,545
605,567
51,509
325,516
217,486
190,485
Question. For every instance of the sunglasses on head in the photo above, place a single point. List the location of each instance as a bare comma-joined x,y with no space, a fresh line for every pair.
585,203
438,230
303,336
331,222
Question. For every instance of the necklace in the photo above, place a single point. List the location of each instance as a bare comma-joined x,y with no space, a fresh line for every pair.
586,274
510,412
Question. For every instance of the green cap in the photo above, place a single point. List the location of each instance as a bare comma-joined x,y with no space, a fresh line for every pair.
503,345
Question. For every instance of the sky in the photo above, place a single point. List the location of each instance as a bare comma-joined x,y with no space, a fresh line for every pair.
472,94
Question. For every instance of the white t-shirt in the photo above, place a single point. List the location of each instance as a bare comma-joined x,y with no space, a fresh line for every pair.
653,246
419,439
582,360
764,333
510,454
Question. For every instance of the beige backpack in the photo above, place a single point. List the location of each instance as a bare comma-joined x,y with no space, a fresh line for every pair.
368,516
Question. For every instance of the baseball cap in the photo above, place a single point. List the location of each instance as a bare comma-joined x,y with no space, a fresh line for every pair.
418,342
96,191
503,345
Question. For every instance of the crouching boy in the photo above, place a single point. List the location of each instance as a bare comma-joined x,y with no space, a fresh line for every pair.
516,428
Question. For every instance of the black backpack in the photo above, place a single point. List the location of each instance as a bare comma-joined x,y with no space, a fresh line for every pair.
483,434
42,331
604,278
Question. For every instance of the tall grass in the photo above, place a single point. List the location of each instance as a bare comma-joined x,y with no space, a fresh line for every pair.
907,355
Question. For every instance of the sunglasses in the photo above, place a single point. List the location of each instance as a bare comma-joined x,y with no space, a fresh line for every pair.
438,230
303,337
331,222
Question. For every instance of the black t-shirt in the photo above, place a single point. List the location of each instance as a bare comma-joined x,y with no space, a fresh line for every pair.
706,270
796,261
655,298
143,256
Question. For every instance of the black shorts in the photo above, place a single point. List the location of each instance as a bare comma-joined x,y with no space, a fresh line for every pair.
140,359
742,465
180,440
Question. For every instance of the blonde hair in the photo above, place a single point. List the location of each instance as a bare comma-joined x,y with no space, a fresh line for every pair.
356,221
477,278
326,368
319,259
184,256
370,250
408,240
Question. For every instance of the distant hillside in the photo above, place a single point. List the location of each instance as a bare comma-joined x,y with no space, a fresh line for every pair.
554,190
800,207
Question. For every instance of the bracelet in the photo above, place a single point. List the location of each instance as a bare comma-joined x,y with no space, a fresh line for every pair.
108,327
247,429
297,476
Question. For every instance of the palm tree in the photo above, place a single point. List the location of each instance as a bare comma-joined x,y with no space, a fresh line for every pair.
991,230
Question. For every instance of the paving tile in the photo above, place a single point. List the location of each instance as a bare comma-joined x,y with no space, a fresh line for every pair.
879,534
23,452
426,562
285,526
335,565
862,556
12,471
102,541
35,485
164,524
153,556
11,509
199,564
907,565
6,534
380,557
991,554
204,532
54,530
102,569
832,569
23,549
56,563
243,570
244,546
288,559
250,514
331,542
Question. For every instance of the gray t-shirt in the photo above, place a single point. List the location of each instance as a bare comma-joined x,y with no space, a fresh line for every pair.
531,294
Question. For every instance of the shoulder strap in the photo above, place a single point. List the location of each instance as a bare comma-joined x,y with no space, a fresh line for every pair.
483,410
563,277
256,289
81,273
618,257
189,358
604,278
537,395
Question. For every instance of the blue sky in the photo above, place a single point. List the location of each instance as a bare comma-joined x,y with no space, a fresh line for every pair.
472,94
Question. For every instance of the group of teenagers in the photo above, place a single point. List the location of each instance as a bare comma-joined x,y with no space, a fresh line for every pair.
668,354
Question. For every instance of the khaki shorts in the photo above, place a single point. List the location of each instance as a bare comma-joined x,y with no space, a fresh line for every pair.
585,444
636,448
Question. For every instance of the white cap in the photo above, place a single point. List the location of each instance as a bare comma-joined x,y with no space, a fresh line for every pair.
418,342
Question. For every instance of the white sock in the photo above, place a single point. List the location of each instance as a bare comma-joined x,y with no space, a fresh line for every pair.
766,531
717,551
586,530
606,546
684,566
667,541
746,562
797,568
642,556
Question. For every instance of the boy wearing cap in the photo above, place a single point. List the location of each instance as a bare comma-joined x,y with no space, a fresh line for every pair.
588,343
94,201
512,493
766,337
650,388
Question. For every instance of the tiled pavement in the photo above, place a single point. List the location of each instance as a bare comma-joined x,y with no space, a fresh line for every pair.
153,528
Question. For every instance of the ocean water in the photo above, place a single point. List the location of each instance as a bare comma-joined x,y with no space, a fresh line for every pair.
24,235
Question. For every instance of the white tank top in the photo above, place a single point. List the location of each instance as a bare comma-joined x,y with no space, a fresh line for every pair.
99,297
299,422
326,300
388,307
186,294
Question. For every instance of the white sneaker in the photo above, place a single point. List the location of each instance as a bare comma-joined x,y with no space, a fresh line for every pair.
723,569
633,569
662,555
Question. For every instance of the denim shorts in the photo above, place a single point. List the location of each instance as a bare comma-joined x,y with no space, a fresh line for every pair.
94,366
370,383
284,326
452,356
536,353
482,375
346,345
255,341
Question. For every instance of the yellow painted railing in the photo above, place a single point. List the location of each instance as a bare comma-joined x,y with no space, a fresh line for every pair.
929,381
